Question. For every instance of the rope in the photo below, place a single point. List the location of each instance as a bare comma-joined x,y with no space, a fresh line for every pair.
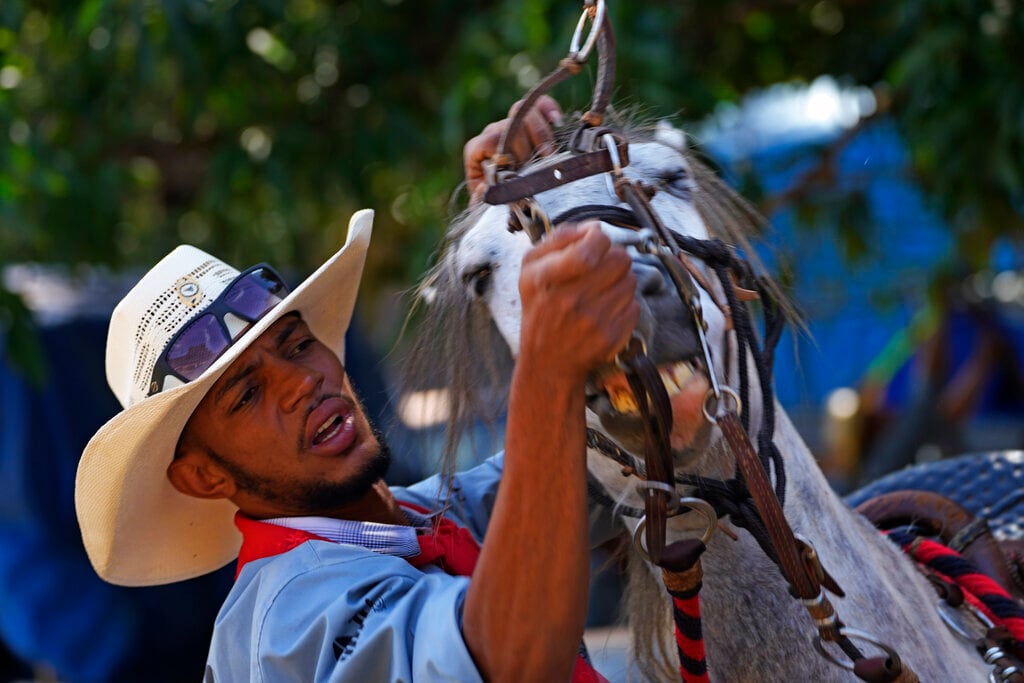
682,575
984,594
693,666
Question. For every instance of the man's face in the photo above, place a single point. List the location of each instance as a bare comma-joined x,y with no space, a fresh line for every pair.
283,422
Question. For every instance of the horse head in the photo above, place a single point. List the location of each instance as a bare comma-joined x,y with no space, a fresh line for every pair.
478,271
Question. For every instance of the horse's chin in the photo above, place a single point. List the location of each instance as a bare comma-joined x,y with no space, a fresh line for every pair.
690,429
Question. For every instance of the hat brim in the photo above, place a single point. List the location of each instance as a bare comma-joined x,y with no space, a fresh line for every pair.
137,528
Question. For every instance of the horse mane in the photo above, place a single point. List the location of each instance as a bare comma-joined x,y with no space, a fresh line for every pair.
456,347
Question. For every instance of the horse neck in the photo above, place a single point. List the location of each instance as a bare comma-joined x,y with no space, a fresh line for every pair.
745,598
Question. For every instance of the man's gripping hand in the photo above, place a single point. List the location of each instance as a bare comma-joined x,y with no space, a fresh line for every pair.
577,292
535,137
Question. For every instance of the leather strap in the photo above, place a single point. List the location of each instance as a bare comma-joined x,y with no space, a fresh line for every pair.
565,171
954,524
656,412
784,542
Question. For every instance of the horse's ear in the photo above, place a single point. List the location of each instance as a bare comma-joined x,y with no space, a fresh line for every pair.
428,294
668,134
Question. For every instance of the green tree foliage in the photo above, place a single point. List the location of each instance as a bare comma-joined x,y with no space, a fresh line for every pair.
253,128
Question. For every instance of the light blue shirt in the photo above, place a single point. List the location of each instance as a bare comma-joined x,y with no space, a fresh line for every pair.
341,613
336,612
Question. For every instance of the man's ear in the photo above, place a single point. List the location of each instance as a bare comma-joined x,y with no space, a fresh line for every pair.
195,474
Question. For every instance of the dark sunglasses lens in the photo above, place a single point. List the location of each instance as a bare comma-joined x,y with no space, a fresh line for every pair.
254,294
197,347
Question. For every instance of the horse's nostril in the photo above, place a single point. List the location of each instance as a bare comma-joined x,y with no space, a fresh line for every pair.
649,281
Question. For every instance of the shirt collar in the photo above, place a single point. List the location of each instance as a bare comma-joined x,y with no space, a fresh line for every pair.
387,539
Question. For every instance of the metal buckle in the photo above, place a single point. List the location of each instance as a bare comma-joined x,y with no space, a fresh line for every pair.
723,391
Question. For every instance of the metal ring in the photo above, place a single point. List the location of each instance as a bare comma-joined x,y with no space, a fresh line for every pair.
646,241
726,391
613,153
855,634
580,55
695,504
650,485
952,618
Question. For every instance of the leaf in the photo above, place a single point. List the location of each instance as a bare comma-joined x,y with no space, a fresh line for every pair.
22,349
88,16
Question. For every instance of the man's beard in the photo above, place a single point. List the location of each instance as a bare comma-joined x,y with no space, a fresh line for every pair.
311,498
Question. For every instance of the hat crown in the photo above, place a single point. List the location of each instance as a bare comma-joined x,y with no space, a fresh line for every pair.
176,290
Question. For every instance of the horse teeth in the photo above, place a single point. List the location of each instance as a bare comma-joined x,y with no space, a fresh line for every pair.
622,400
669,380
683,372
674,377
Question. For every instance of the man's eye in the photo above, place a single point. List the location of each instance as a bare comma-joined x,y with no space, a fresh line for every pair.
247,397
301,346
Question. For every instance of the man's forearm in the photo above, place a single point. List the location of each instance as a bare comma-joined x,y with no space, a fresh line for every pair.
526,605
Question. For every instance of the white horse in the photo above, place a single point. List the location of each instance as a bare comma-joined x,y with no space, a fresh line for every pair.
753,629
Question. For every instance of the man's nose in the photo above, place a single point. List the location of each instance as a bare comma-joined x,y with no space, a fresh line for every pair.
297,383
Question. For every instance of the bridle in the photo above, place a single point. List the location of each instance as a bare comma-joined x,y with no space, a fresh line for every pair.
749,498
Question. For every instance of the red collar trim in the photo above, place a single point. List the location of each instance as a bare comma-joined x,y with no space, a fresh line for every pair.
260,539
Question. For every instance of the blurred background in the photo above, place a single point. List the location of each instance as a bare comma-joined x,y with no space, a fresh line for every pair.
883,140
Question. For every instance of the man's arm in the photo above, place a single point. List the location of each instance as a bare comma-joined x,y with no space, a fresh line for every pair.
526,605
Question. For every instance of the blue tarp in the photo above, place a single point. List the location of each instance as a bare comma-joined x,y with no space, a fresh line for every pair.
54,610
854,307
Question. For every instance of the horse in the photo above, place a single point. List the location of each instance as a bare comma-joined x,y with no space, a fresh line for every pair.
752,627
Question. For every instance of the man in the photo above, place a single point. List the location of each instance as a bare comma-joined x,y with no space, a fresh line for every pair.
239,417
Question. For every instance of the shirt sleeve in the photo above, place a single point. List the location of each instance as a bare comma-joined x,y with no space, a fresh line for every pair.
471,500
331,613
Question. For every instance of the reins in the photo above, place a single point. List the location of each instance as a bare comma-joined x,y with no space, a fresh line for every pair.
749,499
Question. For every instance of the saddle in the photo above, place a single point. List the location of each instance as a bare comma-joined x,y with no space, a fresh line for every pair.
974,504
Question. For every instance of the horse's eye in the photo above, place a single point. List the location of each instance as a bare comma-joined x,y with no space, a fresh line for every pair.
479,279
677,181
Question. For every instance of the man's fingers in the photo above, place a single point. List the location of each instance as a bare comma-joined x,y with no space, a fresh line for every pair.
550,109
477,151
585,257
537,135
546,105
571,250
534,137
578,297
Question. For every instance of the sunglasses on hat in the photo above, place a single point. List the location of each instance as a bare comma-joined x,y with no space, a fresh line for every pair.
202,340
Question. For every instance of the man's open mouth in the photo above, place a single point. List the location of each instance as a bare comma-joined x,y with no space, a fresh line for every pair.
331,426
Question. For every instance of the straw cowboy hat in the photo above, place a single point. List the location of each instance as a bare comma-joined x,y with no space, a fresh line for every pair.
137,528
